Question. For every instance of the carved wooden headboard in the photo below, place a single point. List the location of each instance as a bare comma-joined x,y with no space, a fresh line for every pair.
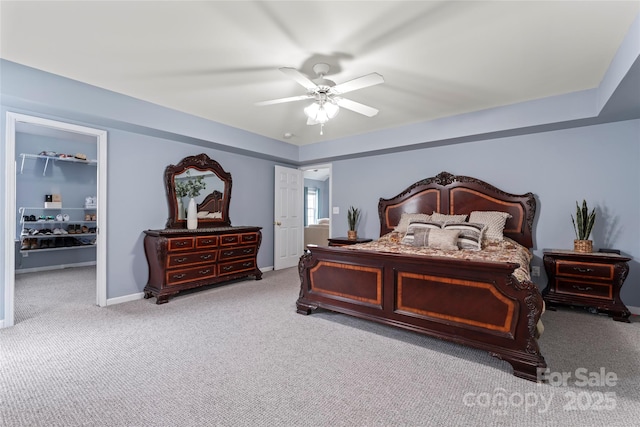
456,194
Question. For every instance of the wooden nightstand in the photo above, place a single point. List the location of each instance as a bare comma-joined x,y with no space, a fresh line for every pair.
344,241
590,280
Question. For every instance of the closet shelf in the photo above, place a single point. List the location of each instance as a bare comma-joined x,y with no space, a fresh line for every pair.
55,159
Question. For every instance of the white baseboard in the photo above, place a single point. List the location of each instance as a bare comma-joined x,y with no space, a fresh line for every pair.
125,298
140,295
634,310
55,267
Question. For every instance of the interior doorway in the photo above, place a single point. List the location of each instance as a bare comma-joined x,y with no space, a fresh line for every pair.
17,124
317,204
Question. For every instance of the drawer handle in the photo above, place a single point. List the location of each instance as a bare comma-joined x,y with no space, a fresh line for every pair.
207,271
227,268
182,243
584,270
247,251
228,253
249,237
247,264
205,256
229,239
179,260
580,288
179,276
207,241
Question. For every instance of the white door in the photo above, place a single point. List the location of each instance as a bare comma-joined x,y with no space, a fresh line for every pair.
287,218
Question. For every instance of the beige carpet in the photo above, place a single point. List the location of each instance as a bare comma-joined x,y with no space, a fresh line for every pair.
239,355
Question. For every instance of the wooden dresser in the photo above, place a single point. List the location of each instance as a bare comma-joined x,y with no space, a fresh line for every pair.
181,259
586,279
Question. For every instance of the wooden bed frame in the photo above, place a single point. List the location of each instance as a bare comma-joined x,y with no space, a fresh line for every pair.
478,304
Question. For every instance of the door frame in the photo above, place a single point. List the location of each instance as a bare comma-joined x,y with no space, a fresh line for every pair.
12,119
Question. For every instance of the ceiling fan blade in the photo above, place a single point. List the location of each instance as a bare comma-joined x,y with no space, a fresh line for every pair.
281,100
300,78
358,83
356,106
310,121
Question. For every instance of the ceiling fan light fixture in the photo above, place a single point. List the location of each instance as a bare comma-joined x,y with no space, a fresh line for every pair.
321,112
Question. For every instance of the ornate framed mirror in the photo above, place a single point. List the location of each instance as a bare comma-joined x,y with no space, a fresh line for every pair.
203,179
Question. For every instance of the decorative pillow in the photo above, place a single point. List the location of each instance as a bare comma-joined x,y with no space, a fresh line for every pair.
436,238
415,226
324,220
494,221
406,218
448,218
471,234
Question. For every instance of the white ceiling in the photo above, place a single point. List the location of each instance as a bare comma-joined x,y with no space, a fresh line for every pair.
216,59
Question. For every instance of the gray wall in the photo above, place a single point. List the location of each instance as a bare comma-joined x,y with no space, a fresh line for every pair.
598,163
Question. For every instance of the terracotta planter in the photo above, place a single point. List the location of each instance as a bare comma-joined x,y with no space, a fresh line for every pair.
352,235
584,246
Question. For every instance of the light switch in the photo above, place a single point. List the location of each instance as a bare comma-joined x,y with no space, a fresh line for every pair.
336,210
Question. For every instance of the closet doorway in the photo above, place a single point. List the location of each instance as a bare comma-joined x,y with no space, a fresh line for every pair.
24,126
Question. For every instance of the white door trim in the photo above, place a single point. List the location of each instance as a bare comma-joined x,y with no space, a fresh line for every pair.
10,206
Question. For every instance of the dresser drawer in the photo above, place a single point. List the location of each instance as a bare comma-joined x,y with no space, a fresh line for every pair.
229,239
236,266
231,253
578,269
181,243
177,260
206,242
248,238
587,289
177,277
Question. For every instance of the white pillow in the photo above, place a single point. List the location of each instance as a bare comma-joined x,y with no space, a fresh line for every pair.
436,216
407,218
494,221
323,220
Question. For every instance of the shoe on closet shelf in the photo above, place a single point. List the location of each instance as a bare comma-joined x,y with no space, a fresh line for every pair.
34,244
65,217
85,229
26,244
59,217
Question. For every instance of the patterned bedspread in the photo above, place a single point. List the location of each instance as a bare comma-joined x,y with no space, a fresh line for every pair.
506,250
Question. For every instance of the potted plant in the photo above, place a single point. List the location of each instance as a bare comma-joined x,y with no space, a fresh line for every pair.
353,217
582,225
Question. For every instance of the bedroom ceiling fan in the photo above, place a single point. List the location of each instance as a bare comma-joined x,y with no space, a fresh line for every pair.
327,94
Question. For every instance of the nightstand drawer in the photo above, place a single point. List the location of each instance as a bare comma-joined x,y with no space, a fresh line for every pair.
591,270
588,289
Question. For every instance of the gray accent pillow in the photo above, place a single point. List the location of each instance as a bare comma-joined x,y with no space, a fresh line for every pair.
436,238
416,226
471,234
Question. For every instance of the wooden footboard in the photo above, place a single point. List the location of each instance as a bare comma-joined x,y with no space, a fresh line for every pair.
479,304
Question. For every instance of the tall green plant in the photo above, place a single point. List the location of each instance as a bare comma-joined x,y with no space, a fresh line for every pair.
353,216
583,222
